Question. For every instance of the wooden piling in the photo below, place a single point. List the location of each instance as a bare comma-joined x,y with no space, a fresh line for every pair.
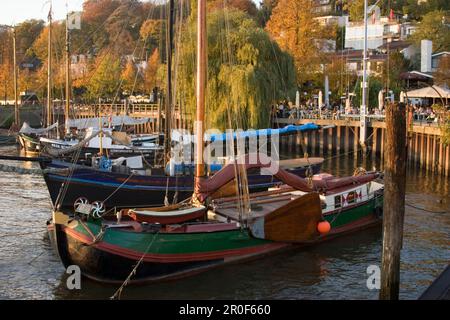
338,139
422,150
374,141
441,156
433,155
330,140
428,152
321,142
394,200
355,142
447,161
347,139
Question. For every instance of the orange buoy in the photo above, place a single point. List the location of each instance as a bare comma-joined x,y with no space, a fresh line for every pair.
323,227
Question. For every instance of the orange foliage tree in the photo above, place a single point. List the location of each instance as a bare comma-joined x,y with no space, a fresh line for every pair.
294,28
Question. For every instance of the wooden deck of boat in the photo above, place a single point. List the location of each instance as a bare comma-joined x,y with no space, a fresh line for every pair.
440,288
260,206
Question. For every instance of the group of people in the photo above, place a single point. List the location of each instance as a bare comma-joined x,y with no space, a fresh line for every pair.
308,110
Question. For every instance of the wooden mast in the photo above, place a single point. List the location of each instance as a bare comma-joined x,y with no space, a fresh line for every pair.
201,83
168,106
16,104
67,105
49,70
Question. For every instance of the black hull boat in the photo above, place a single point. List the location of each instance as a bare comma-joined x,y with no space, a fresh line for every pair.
120,190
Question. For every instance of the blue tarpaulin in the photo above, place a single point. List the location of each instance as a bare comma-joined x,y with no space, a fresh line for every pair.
264,132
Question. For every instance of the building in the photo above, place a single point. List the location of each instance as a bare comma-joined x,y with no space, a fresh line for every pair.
329,12
354,61
79,65
408,50
436,59
380,30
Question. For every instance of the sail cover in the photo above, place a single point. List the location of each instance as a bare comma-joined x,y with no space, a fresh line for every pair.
106,121
26,129
320,183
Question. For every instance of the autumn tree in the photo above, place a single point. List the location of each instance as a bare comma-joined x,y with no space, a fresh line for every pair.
435,26
294,28
123,27
6,65
130,77
151,78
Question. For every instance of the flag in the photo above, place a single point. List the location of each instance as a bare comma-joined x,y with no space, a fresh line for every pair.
391,15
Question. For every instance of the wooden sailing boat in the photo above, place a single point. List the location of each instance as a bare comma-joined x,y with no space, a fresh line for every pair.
111,250
148,184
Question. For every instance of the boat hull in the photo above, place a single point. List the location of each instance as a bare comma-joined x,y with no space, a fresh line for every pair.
122,191
166,256
51,149
29,144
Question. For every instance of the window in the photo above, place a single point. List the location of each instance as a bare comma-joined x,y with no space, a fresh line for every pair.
337,202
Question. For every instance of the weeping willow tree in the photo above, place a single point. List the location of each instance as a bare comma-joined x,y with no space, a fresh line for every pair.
247,71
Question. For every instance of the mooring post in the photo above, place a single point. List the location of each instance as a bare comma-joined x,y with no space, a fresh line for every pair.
394,200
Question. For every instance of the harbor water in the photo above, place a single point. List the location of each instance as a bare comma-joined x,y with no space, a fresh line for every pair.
29,269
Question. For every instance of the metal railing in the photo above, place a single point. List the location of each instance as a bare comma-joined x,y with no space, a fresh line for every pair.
419,119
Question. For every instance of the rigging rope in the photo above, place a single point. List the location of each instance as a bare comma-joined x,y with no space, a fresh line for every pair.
118,293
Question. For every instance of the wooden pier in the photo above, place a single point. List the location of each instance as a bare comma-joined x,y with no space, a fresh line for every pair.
425,146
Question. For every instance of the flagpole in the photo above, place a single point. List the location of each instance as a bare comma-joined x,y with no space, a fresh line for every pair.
363,128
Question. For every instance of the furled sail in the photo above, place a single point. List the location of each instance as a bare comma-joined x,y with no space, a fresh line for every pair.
26,129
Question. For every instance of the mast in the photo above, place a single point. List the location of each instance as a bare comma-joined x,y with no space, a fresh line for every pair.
168,106
362,131
49,70
16,104
201,82
67,106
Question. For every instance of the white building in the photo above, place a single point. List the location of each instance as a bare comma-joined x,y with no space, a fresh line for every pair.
379,31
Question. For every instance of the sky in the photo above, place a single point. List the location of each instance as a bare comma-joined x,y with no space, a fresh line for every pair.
17,11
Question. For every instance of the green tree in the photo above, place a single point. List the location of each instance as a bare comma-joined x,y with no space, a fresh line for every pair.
26,33
397,64
442,74
356,10
105,80
435,26
375,85
247,71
